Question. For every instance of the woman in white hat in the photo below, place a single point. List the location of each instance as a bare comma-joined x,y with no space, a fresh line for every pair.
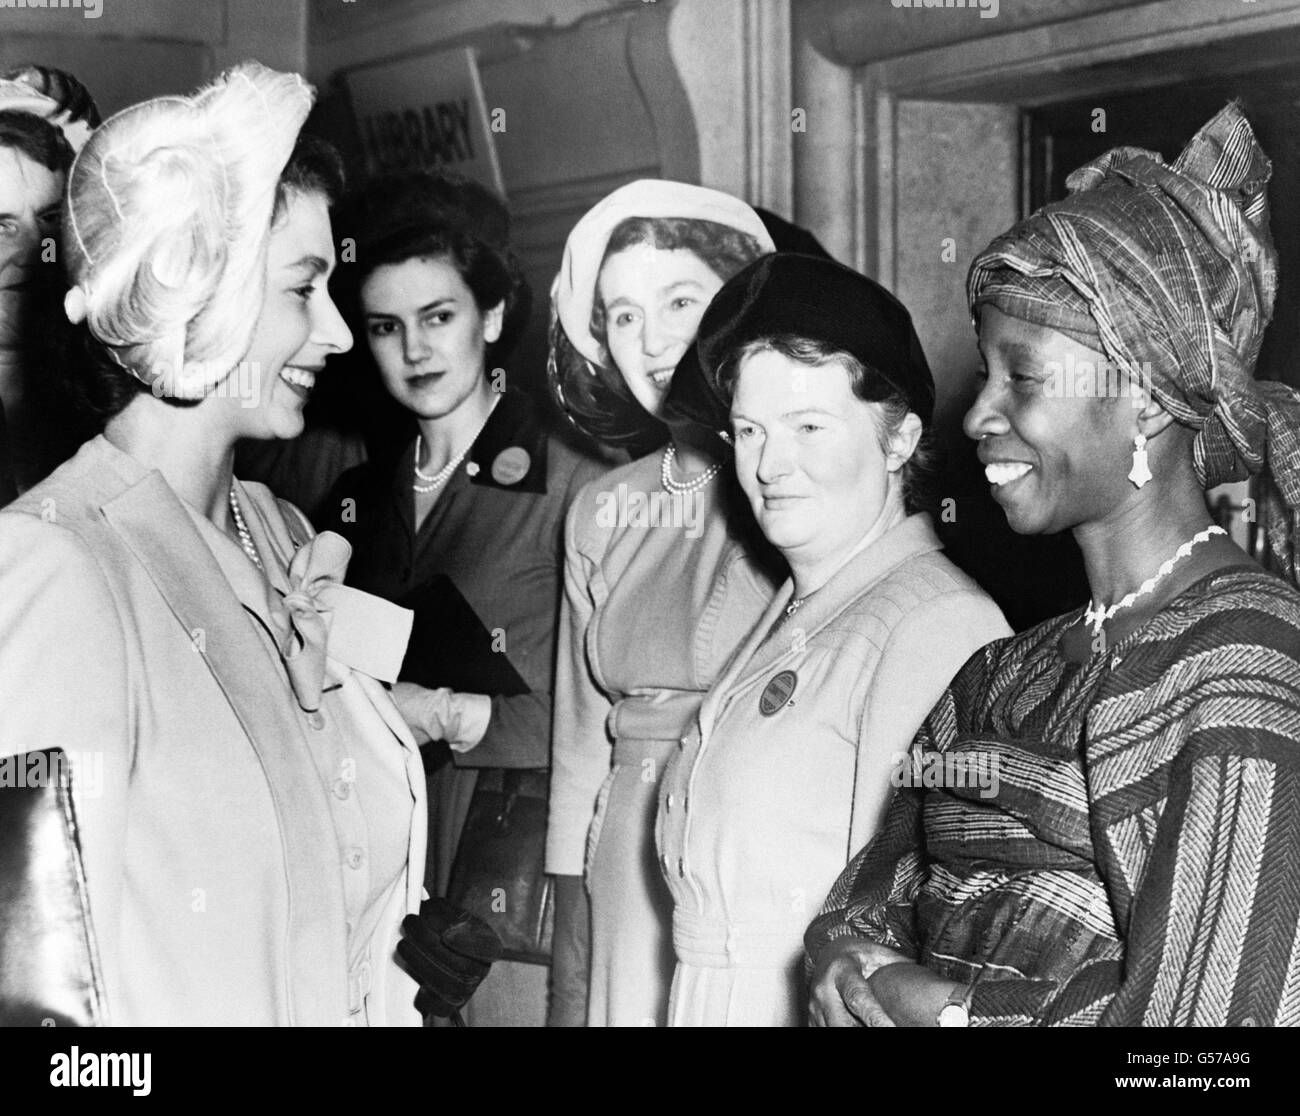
250,800
660,584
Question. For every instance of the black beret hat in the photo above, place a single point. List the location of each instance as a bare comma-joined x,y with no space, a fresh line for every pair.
819,300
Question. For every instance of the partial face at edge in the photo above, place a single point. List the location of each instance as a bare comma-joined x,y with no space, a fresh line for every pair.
31,199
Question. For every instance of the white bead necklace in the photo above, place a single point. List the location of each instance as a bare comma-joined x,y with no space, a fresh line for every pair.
245,539
443,475
683,488
1096,615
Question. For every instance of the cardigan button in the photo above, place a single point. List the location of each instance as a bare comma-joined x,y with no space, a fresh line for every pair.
355,858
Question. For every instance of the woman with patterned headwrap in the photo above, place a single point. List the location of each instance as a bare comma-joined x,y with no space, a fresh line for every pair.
250,802
1139,860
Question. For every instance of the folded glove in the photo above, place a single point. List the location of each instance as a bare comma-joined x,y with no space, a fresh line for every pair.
449,951
458,718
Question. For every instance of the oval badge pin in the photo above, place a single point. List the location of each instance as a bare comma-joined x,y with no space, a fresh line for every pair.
777,692
511,465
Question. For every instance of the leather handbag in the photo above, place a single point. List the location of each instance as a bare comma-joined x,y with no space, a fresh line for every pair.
499,871
49,968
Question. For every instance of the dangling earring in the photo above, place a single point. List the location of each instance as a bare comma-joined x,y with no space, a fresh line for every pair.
1141,471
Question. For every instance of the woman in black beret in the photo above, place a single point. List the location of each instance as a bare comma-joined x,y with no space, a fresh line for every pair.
790,766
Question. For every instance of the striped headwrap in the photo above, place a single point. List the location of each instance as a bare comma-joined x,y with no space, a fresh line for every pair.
1170,271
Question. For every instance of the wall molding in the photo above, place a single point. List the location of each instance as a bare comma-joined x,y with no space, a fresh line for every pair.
987,68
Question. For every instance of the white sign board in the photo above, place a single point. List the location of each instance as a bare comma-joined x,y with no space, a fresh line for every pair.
426,113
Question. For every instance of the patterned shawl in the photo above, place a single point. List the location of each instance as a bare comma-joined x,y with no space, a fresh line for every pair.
1173,269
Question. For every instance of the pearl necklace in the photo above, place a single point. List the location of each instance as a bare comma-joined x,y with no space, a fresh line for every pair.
682,489
443,475
245,539
1096,615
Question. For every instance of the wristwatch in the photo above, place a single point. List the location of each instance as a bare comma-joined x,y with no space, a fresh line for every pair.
956,1012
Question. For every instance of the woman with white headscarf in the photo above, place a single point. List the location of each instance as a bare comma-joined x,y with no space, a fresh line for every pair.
661,583
250,802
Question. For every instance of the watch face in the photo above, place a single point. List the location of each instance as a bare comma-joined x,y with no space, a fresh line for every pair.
954,1015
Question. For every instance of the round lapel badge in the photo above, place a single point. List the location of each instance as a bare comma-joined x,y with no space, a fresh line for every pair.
777,692
511,465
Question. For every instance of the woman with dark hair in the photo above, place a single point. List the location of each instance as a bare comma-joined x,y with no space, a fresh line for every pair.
788,769
250,802
464,524
661,583
1137,862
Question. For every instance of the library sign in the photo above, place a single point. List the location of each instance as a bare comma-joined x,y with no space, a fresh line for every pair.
426,113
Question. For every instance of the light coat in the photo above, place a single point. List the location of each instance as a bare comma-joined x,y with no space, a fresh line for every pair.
213,864
790,767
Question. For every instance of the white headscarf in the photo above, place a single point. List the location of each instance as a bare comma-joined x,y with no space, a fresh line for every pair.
574,290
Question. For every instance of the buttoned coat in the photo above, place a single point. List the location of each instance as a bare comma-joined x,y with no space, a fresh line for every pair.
212,861
790,766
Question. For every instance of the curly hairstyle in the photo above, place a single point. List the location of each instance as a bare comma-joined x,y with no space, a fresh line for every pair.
167,223
99,386
593,394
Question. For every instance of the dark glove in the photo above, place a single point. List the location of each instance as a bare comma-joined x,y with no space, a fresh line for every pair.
449,951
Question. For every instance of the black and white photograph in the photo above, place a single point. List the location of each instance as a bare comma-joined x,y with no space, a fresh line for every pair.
730,514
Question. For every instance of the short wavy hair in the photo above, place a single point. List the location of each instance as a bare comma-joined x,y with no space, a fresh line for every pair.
426,215
39,140
919,472
593,394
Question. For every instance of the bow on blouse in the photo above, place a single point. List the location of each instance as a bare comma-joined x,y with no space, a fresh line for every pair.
323,628
302,617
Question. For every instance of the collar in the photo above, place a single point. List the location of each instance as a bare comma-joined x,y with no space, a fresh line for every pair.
511,450
762,651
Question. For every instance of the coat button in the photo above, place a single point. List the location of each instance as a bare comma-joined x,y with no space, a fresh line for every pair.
681,867
342,789
672,801
316,719
355,858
